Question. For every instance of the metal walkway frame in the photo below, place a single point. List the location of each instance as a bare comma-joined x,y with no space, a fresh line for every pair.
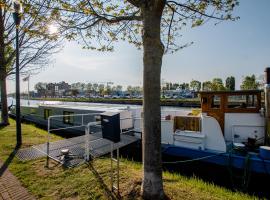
83,148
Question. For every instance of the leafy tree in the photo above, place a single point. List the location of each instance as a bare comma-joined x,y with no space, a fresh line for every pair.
74,92
89,89
158,22
36,45
108,90
195,85
79,86
83,86
207,86
130,89
249,83
230,83
175,86
119,89
217,84
134,90
101,88
41,89
137,90
184,86
95,88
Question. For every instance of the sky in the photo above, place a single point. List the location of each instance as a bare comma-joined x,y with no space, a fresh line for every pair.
236,49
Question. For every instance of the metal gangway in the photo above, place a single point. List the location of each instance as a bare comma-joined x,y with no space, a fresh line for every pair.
82,148
74,151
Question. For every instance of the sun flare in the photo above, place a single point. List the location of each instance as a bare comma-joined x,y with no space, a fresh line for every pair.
53,29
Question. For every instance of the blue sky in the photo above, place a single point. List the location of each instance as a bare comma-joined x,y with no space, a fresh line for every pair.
227,49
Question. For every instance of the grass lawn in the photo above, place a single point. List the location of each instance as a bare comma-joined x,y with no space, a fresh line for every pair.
92,181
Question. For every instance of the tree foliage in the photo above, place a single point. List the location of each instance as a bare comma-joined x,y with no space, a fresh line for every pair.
98,24
207,86
184,86
217,84
250,83
230,83
36,45
134,90
74,92
41,88
195,85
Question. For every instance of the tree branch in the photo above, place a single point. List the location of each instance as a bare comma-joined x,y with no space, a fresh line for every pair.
194,10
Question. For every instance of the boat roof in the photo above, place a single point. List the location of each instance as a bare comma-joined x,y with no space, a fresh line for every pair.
112,108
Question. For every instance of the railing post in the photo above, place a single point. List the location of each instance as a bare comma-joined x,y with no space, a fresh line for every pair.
82,120
112,179
118,170
87,132
113,187
48,143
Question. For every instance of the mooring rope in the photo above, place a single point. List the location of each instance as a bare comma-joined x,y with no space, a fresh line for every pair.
192,160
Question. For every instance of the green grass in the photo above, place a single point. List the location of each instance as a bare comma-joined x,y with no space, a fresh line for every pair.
92,181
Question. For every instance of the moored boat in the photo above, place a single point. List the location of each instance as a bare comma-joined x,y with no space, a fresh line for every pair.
230,130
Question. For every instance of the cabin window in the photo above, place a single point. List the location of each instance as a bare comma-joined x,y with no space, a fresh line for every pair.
215,103
184,123
47,113
67,119
252,101
242,101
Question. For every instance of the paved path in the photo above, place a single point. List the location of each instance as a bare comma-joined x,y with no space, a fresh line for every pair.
11,188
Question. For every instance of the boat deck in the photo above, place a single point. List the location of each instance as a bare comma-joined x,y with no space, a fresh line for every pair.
98,147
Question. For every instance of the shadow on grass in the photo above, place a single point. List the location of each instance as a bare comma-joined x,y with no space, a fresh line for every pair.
8,160
100,181
3,125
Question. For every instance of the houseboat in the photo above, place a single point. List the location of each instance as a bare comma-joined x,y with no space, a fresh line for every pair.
70,119
230,129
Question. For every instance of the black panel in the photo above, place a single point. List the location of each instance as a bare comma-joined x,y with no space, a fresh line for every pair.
110,123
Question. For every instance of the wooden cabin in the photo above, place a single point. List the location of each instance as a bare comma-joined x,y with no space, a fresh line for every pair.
217,103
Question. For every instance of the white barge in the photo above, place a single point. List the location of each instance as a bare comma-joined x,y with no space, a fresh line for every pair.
229,129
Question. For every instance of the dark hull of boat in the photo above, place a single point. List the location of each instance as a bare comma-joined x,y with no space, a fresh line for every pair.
249,161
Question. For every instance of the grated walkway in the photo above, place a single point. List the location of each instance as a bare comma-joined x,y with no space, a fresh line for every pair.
98,146
11,188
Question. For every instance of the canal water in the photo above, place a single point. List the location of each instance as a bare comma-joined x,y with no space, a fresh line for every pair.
24,102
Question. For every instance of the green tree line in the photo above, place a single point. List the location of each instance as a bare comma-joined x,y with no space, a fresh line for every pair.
216,84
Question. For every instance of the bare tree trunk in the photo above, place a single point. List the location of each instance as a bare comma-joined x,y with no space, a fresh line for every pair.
4,106
152,186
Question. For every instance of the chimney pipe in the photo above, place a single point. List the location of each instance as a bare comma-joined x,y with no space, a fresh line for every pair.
267,75
267,104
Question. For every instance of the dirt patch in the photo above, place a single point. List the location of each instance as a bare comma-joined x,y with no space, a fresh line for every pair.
131,189
42,171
